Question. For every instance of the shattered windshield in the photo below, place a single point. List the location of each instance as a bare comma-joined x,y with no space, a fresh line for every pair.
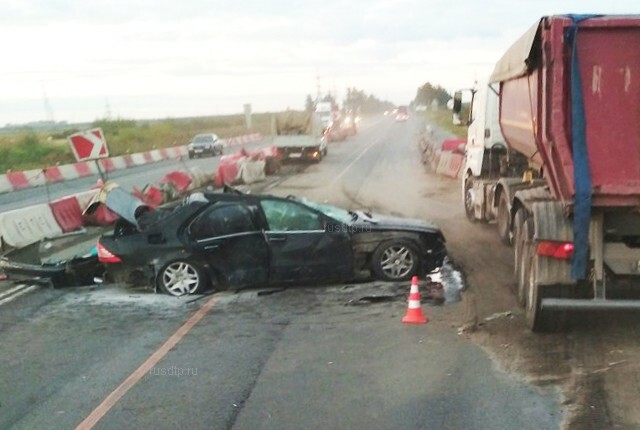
336,213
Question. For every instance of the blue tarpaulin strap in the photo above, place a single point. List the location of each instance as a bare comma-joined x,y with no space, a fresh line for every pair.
581,173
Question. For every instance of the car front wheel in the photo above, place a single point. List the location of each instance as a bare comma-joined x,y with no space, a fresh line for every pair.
395,260
180,278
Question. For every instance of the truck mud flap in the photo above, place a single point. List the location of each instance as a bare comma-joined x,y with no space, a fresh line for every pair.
551,224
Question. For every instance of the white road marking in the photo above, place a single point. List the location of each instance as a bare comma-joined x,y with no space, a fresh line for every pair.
13,290
16,292
364,151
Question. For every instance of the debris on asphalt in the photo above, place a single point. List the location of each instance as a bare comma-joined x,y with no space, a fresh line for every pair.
499,315
435,293
446,284
271,291
608,367
367,300
467,328
68,260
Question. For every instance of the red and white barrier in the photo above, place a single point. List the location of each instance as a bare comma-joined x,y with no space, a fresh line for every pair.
449,164
14,181
25,226
67,213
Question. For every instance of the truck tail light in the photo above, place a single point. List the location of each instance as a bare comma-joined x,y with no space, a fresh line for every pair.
106,256
560,250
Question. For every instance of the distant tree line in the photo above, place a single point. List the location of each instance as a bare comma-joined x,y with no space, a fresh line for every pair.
356,100
428,92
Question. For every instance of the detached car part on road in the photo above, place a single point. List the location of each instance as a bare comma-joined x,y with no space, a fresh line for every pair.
239,240
65,261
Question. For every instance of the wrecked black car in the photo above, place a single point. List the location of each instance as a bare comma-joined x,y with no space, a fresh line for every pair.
240,240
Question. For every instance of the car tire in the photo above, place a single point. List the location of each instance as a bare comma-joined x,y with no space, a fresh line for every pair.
395,260
180,277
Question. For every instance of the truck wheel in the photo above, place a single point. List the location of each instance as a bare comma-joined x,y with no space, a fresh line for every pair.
468,200
504,218
538,320
523,231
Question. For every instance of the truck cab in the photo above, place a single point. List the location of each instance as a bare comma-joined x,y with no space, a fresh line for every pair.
325,112
486,153
483,136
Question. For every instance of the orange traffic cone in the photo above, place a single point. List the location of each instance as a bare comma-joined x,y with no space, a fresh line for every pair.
414,311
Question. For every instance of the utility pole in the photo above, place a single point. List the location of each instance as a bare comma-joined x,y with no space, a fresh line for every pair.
47,106
318,89
107,109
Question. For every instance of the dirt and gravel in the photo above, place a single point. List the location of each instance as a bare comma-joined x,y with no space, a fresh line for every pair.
592,361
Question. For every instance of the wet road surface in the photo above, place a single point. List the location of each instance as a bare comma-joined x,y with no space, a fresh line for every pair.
298,358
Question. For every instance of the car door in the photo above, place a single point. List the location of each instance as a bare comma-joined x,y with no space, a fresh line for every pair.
229,237
301,247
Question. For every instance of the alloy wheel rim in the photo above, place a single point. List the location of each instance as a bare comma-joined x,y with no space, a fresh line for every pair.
397,261
180,279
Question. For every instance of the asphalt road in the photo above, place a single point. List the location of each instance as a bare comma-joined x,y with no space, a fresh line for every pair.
300,358
138,176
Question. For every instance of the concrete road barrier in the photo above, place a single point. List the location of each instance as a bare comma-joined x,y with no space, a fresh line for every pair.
449,164
14,181
25,226
67,213
85,197
228,169
251,171
198,178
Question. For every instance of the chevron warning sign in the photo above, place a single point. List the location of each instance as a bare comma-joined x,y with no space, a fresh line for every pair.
89,145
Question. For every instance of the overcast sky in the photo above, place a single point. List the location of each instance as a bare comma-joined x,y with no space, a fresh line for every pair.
169,58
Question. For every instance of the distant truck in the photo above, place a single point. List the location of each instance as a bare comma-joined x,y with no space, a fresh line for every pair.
336,124
325,111
553,156
299,136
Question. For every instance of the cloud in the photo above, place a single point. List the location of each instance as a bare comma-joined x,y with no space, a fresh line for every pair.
178,55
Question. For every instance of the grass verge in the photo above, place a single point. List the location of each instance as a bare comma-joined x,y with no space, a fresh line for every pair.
443,120
30,150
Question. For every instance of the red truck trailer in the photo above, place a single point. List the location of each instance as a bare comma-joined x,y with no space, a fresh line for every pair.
566,190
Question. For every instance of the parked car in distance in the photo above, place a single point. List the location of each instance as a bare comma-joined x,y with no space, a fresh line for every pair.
236,240
402,114
205,144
